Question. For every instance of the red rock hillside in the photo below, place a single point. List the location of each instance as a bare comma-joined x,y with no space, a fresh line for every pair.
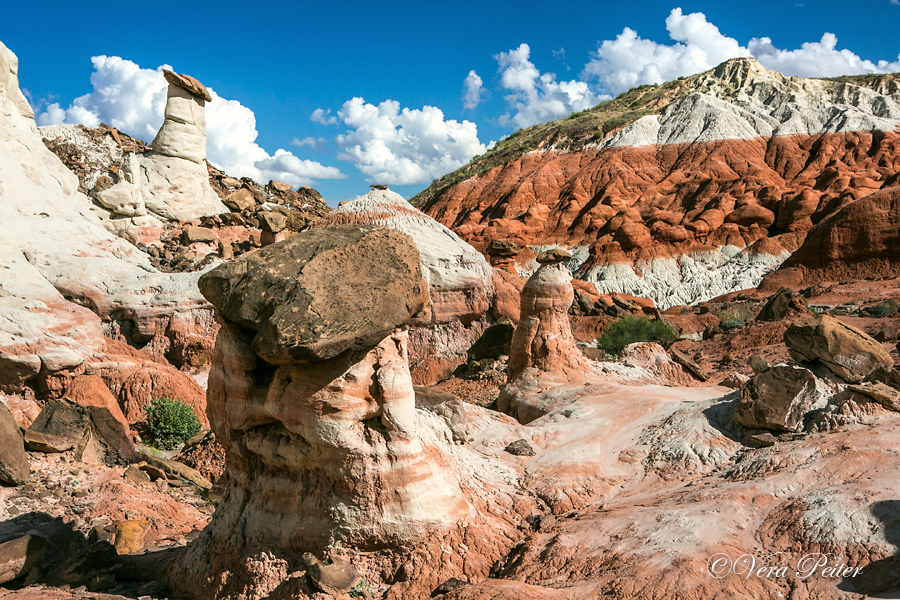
685,169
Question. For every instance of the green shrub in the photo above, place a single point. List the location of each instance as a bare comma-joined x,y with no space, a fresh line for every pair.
361,590
171,422
732,319
884,309
629,330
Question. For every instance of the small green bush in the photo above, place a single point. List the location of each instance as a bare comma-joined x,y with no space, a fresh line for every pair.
629,330
361,590
171,422
732,319
884,309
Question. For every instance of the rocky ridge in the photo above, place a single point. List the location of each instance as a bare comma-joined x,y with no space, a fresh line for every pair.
665,190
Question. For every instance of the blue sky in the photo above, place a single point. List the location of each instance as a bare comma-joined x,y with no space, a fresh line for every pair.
277,63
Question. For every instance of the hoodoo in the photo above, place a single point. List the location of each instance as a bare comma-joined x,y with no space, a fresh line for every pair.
171,181
311,396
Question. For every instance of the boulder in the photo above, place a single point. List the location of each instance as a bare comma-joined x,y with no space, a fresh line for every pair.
92,430
458,276
272,222
324,292
502,248
689,364
336,577
520,447
554,255
173,469
778,399
46,443
240,200
20,555
758,364
778,306
879,392
14,466
846,351
192,234
280,186
130,535
187,83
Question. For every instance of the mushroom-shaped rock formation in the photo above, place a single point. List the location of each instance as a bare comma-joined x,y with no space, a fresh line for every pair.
543,354
311,396
171,181
543,339
503,254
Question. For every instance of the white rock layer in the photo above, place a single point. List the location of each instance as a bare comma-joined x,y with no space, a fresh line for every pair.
740,99
57,257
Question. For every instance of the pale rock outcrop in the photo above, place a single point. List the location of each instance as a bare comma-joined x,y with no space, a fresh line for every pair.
171,181
740,99
64,272
9,83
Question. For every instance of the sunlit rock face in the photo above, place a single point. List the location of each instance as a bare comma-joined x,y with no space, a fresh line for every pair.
310,394
326,452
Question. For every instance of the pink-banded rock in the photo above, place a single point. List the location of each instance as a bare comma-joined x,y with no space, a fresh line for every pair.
543,339
314,405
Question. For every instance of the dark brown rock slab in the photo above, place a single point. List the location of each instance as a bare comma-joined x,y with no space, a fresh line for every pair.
324,292
14,466
778,399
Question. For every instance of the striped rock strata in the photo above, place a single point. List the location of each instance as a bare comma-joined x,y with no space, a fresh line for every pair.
665,190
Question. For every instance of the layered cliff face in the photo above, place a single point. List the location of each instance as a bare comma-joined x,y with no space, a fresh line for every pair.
68,279
664,191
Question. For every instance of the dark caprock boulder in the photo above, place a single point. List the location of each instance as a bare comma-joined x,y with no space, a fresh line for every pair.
321,293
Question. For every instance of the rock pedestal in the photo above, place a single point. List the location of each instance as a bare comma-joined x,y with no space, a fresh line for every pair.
311,396
171,181
545,365
543,339
183,132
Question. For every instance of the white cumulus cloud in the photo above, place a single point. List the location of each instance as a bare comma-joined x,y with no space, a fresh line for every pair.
317,144
473,89
133,100
537,97
629,60
816,59
323,117
408,146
